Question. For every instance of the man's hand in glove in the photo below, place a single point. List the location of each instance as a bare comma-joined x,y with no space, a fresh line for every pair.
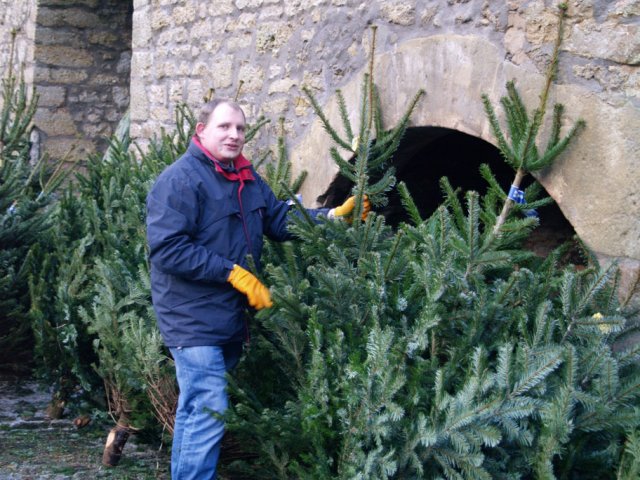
245,282
344,210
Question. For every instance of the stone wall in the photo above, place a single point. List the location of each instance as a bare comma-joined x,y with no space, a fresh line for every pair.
82,73
269,49
17,17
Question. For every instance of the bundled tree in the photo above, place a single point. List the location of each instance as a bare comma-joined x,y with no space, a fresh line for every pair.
26,186
100,310
443,349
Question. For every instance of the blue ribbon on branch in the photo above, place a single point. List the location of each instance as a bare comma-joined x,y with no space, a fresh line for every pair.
517,195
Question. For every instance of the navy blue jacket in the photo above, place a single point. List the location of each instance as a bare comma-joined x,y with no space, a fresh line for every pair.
202,218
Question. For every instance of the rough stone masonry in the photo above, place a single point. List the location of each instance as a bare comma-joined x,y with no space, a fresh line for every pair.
265,51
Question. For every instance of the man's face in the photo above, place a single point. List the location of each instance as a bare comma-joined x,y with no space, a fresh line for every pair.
223,135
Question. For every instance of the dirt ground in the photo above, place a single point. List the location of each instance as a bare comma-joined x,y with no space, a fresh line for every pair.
32,446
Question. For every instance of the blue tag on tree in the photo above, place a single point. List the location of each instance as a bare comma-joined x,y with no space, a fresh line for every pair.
516,195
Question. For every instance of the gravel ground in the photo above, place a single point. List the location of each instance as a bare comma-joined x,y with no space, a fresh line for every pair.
32,446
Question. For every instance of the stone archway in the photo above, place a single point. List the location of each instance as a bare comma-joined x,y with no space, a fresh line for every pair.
595,183
426,154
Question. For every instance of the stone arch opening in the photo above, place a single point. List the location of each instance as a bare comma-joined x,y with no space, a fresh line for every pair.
426,154
82,61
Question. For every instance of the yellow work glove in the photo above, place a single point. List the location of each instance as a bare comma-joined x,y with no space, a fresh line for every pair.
245,282
347,207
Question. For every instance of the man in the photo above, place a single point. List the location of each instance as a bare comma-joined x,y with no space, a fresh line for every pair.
206,213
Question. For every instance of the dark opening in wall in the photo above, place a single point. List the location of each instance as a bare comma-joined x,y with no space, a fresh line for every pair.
82,73
426,154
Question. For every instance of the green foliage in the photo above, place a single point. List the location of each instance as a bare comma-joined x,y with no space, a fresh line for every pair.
440,350
519,146
278,173
373,147
26,186
410,355
520,151
93,287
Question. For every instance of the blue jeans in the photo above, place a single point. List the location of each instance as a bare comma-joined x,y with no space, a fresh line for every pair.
197,434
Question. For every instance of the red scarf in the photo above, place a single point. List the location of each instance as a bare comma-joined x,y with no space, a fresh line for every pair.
241,164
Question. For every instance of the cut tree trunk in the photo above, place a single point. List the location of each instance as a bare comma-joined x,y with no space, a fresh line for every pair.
115,443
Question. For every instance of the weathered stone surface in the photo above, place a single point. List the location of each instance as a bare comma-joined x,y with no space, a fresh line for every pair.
220,8
401,13
62,75
184,14
51,96
282,85
272,35
252,78
56,122
103,38
70,148
60,56
622,44
71,17
142,31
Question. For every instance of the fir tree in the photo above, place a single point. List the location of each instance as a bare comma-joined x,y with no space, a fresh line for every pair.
440,350
25,194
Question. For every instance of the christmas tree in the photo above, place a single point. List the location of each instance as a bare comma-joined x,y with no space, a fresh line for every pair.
26,185
441,349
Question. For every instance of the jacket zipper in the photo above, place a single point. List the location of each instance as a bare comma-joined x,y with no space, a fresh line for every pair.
244,222
247,335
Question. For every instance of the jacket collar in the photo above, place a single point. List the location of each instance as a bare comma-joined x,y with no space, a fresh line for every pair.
240,171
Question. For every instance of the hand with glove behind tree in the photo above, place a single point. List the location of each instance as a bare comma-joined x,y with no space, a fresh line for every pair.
245,282
344,211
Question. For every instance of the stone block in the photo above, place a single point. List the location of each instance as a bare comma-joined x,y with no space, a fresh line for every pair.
400,13
104,39
276,106
196,92
139,105
74,17
612,41
176,91
57,36
184,14
51,96
142,32
55,122
160,113
270,36
220,8
141,64
63,75
281,86
157,94
271,12
71,149
61,56
221,74
252,76
104,79
95,130
160,19
239,42
242,4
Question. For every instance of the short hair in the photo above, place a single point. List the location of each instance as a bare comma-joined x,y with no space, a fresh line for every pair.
208,108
